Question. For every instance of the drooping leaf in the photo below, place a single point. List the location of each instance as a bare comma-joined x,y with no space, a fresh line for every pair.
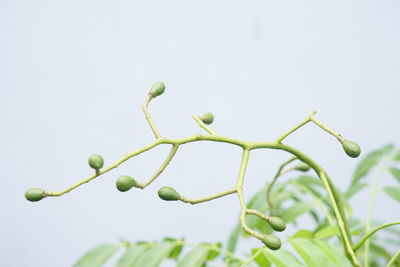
311,253
326,232
303,234
233,238
214,250
396,173
194,258
260,259
97,256
294,211
392,191
132,254
397,156
369,161
155,255
177,249
282,258
337,256
353,189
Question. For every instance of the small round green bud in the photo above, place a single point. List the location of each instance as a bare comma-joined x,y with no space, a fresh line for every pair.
271,242
277,224
168,193
96,161
124,183
352,149
34,194
303,167
207,118
157,89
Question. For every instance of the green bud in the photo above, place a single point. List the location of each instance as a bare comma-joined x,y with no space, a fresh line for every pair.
168,193
271,242
277,224
96,161
303,167
34,194
352,149
157,89
124,183
207,118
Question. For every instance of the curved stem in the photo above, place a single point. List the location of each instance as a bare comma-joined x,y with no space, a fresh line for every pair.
162,167
326,128
280,139
202,124
204,199
367,236
148,117
393,259
278,173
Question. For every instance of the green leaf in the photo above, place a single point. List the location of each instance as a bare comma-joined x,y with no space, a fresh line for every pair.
282,258
177,249
392,191
369,161
396,173
260,259
397,156
214,250
131,254
303,234
326,232
296,210
155,255
97,256
354,189
311,253
309,180
233,238
195,258
338,257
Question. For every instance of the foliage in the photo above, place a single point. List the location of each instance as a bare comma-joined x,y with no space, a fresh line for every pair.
329,243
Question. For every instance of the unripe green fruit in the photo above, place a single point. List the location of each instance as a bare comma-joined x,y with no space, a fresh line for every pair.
96,161
271,242
124,183
168,193
157,89
303,167
34,194
277,224
207,118
352,149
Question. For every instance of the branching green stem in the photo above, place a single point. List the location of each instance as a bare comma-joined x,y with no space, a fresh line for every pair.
368,235
334,197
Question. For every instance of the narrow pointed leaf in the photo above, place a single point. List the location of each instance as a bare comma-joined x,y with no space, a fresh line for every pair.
392,191
296,210
326,232
396,173
282,258
311,253
132,254
233,238
337,256
195,258
154,256
260,259
354,189
369,161
97,256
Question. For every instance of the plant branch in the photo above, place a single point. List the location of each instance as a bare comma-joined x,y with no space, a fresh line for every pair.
393,259
203,125
161,169
148,116
278,173
204,199
368,235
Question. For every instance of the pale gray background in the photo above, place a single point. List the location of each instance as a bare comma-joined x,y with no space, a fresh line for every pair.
73,75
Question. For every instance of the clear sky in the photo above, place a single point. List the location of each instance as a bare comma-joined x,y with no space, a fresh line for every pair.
73,75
